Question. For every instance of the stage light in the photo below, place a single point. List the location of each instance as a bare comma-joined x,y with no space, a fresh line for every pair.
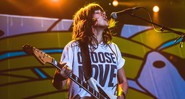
156,14
155,9
55,1
115,3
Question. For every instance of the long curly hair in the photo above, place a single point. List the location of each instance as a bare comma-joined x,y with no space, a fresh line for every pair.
83,21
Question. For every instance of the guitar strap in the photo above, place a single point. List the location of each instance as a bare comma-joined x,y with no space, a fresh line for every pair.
86,62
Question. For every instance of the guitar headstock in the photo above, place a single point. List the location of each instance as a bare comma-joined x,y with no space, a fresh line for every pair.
39,55
28,49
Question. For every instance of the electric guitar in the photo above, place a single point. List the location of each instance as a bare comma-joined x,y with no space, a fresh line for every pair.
92,87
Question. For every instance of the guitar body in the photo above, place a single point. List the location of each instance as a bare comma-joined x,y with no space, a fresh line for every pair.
92,86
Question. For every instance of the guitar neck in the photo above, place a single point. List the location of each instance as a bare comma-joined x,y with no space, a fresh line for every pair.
45,58
82,84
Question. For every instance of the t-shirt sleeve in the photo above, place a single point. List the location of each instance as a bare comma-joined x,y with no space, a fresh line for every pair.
120,59
67,56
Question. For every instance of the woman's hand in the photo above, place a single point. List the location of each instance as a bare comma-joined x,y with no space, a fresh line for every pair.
60,76
65,70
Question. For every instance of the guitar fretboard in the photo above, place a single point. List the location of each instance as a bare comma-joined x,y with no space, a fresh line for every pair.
81,83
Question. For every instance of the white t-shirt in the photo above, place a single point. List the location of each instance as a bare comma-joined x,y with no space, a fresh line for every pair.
105,61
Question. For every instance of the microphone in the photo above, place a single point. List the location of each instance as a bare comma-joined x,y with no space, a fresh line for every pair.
115,15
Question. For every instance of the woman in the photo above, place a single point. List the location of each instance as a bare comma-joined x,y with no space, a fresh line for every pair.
103,62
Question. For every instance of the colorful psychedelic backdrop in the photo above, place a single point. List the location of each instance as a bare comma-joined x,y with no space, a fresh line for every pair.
155,64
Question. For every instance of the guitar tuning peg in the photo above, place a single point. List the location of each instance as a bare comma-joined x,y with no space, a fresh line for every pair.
47,55
36,50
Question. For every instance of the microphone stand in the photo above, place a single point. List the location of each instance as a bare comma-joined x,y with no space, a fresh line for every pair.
182,35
